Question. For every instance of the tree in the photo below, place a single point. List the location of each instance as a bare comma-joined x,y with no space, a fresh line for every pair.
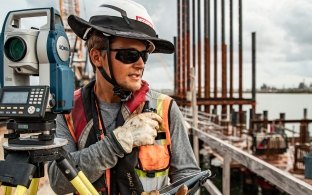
302,85
264,87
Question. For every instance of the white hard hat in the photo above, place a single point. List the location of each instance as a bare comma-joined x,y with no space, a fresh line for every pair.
121,18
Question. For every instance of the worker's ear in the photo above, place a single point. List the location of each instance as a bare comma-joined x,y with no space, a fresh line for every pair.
97,57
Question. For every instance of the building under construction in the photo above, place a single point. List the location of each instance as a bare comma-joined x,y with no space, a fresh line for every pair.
204,71
198,23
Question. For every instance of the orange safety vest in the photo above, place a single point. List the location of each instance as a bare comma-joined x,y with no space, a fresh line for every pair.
152,159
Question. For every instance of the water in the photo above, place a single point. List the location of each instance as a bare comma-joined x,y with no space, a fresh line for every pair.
290,104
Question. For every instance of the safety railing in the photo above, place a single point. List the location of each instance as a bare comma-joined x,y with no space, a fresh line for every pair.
278,177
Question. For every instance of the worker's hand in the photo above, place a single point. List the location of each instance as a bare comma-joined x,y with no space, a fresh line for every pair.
182,191
140,129
154,192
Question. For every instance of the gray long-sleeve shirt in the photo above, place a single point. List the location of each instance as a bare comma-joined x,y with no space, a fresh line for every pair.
104,154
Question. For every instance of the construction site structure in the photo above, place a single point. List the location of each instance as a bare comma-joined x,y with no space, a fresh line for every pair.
79,57
198,46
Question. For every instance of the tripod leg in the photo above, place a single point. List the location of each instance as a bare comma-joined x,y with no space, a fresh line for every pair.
7,190
20,190
87,182
80,186
71,174
33,188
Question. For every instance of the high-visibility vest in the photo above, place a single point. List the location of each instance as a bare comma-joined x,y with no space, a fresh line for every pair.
154,160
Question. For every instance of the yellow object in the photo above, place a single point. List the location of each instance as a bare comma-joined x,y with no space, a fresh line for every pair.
88,184
33,188
20,190
80,186
7,190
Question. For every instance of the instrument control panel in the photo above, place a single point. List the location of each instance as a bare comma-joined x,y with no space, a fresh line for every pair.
23,101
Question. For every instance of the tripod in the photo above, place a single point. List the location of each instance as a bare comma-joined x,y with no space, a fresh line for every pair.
24,165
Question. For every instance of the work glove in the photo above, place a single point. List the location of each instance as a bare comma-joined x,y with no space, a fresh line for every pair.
139,129
182,191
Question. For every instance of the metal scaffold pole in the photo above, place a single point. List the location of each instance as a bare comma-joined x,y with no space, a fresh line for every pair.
194,113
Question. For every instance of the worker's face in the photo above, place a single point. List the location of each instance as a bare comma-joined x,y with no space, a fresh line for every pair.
128,65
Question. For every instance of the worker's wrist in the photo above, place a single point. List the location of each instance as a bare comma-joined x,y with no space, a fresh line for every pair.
123,139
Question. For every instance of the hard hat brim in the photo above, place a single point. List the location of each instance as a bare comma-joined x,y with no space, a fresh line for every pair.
80,28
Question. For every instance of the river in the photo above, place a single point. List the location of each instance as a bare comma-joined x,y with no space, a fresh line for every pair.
290,104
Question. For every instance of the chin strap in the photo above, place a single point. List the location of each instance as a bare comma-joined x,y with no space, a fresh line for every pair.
123,94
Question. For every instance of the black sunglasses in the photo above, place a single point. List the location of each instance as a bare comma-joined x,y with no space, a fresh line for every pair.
129,56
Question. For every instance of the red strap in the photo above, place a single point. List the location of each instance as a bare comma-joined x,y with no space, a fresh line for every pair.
107,172
79,120
70,125
138,97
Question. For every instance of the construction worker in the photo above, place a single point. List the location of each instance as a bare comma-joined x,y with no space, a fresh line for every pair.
125,137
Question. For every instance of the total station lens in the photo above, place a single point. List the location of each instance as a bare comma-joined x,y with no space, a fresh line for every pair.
15,49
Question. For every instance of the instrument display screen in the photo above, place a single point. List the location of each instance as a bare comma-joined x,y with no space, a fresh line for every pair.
14,97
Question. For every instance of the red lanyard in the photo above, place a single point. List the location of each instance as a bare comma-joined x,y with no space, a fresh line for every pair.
100,135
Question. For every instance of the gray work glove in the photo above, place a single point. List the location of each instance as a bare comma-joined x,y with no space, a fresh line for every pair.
182,191
139,129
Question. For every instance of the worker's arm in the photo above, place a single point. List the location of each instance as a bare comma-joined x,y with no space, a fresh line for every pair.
93,161
183,162
139,129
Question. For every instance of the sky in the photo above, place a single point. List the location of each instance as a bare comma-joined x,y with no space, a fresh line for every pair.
283,33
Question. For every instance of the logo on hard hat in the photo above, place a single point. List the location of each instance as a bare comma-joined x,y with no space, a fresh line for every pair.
145,21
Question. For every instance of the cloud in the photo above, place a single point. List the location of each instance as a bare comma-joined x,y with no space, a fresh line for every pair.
283,30
43,4
283,35
284,42
158,73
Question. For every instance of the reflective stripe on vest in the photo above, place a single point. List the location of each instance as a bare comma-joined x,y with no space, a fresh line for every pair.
142,174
